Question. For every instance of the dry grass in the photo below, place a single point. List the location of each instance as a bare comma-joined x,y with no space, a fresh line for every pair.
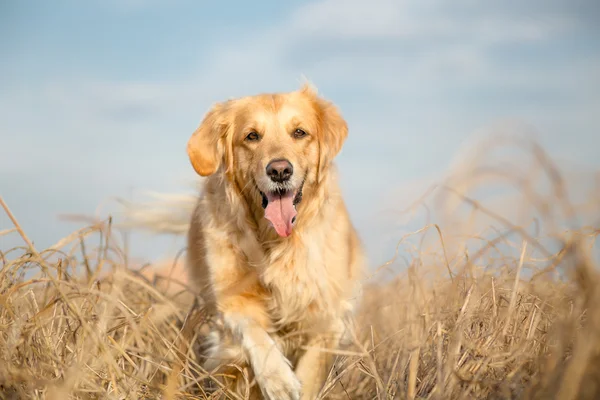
505,318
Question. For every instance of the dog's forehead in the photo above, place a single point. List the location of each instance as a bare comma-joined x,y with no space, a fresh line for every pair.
279,109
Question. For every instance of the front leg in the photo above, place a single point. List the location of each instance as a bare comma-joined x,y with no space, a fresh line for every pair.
314,365
271,368
241,299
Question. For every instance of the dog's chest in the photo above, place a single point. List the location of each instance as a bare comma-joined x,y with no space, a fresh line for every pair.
295,273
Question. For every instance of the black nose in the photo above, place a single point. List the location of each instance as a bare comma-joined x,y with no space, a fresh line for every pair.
280,170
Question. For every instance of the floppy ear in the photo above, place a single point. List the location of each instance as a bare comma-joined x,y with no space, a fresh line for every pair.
206,148
332,135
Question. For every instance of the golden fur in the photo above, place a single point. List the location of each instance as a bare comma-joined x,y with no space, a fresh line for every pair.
282,299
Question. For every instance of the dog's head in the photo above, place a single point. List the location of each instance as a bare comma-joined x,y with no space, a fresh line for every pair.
272,145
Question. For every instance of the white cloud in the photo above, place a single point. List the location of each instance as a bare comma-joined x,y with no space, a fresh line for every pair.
355,19
351,19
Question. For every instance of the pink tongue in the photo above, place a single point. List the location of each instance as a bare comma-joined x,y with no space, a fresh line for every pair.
281,211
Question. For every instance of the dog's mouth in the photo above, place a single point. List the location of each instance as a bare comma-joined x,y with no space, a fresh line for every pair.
280,208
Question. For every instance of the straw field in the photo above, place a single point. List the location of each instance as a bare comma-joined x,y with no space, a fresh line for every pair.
488,299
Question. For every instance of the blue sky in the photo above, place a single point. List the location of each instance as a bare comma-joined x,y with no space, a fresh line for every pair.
101,96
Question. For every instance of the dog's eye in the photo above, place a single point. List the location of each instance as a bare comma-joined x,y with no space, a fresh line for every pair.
299,133
252,136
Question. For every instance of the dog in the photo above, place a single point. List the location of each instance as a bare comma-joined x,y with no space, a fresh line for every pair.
271,247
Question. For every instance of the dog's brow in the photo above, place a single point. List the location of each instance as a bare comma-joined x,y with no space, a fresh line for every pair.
291,115
295,121
254,120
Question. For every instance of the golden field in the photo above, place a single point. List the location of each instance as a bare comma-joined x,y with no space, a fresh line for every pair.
478,304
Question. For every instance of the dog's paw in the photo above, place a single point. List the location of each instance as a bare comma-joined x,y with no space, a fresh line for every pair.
278,381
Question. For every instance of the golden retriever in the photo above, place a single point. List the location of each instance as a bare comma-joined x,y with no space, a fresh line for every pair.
271,248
